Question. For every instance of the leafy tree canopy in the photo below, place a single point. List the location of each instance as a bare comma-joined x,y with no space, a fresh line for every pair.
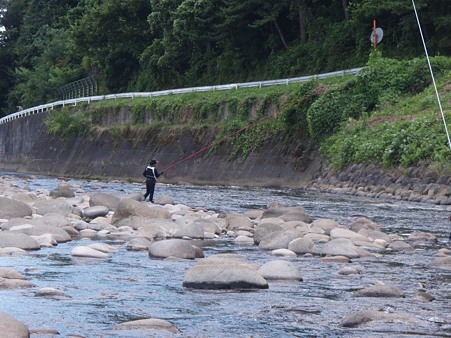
144,45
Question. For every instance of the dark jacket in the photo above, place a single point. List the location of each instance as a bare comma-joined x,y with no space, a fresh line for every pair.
151,173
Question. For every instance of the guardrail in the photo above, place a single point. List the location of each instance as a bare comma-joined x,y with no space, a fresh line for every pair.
256,84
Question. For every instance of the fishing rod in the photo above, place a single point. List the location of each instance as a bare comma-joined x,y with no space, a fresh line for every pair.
232,134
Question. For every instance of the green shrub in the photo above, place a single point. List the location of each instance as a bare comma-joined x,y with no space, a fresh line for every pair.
97,112
296,113
382,81
64,123
403,143
138,113
324,115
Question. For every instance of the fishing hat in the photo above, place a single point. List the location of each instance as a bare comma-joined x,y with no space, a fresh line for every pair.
153,162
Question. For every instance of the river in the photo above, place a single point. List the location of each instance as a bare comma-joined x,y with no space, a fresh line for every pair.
130,285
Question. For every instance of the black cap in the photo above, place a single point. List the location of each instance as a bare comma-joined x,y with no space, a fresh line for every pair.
153,162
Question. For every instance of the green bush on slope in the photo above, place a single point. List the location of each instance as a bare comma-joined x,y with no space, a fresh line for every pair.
387,114
406,127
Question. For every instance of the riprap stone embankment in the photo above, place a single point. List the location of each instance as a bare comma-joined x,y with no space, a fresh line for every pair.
418,184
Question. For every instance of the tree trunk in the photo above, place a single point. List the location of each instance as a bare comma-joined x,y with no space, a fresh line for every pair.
302,21
345,8
280,34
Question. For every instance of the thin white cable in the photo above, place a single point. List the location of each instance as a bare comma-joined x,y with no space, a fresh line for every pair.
432,74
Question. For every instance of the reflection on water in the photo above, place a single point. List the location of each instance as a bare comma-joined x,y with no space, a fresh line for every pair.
130,285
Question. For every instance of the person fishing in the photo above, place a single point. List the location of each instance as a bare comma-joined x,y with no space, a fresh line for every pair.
151,173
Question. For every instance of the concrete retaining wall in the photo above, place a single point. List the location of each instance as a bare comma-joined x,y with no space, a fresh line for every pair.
25,146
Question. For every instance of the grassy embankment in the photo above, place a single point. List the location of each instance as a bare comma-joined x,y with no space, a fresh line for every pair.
387,115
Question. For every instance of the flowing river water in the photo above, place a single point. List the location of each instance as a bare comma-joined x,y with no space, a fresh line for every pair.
130,285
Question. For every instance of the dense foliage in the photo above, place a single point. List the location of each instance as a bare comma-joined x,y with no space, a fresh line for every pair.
403,128
384,115
145,45
383,81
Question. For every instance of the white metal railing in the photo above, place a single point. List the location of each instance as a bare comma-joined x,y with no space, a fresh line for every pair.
256,84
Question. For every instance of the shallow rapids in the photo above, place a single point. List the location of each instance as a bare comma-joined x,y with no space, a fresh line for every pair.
130,285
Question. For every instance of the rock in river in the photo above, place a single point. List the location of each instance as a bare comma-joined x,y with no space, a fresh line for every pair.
223,273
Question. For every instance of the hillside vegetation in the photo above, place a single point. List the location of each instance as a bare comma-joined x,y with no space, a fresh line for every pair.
387,115
147,45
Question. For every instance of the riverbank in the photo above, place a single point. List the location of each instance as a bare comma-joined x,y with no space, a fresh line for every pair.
26,146
418,184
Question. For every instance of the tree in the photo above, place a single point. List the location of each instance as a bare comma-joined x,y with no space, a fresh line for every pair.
10,21
35,44
112,34
160,44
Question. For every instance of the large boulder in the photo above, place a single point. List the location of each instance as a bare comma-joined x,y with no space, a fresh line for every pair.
135,222
192,230
58,206
422,236
280,270
24,197
13,222
363,223
17,240
152,228
381,291
11,279
340,247
266,230
149,324
14,283
365,317
276,240
10,208
104,199
88,252
11,274
128,207
208,225
236,221
400,245
346,233
223,273
288,214
164,199
278,210
10,251
58,234
10,327
374,234
45,240
325,224
296,215
177,248
50,293
302,246
62,190
55,220
442,262
96,211
138,244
